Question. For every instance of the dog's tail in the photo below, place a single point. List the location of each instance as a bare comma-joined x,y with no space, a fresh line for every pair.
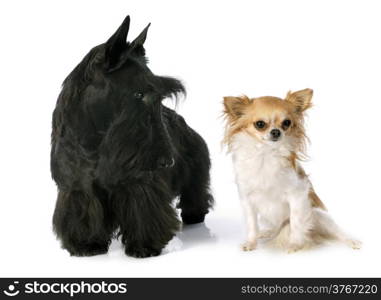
323,229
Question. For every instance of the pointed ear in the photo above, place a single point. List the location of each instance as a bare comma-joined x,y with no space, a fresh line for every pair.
137,44
234,106
301,100
116,45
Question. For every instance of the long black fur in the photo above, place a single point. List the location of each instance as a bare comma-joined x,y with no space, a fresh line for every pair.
120,157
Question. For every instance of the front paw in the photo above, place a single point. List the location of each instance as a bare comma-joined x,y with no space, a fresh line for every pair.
194,218
294,247
88,249
141,251
249,245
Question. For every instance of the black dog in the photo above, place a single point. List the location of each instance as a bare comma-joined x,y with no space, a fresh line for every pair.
120,157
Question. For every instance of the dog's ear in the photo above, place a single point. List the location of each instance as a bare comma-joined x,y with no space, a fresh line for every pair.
136,45
116,46
234,106
301,100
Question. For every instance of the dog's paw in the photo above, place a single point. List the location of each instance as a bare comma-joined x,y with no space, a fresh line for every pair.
249,245
189,219
354,244
294,247
88,249
141,252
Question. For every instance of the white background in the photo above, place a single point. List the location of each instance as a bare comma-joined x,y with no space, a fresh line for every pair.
218,49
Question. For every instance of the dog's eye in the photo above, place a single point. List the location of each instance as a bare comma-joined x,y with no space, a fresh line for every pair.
138,95
260,124
286,123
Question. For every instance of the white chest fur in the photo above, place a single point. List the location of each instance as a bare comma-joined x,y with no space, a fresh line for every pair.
264,176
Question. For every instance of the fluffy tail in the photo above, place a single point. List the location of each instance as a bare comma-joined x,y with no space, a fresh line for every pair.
324,229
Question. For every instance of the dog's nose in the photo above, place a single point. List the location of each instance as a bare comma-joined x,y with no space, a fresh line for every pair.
166,163
275,133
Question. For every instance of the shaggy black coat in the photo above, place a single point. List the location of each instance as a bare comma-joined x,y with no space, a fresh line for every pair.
120,157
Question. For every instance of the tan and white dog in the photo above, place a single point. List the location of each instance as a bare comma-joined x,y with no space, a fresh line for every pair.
267,140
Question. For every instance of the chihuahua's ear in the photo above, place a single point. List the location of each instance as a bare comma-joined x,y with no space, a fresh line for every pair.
116,46
234,106
301,100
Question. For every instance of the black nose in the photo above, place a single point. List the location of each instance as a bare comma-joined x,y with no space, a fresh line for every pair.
166,163
275,133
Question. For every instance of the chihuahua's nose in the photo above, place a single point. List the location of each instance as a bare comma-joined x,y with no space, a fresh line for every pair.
166,163
275,134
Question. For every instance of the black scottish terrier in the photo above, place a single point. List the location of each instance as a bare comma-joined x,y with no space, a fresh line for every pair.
120,157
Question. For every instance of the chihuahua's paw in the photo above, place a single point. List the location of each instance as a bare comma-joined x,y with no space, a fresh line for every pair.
354,244
249,245
294,247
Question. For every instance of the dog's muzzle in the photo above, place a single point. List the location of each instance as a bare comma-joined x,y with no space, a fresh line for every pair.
275,134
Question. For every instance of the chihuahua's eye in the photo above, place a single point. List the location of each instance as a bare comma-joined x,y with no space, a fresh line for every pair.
138,95
260,124
286,123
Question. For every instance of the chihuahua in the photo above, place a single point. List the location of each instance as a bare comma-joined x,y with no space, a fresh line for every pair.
267,140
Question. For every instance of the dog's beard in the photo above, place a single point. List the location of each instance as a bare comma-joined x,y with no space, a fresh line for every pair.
168,87
132,146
